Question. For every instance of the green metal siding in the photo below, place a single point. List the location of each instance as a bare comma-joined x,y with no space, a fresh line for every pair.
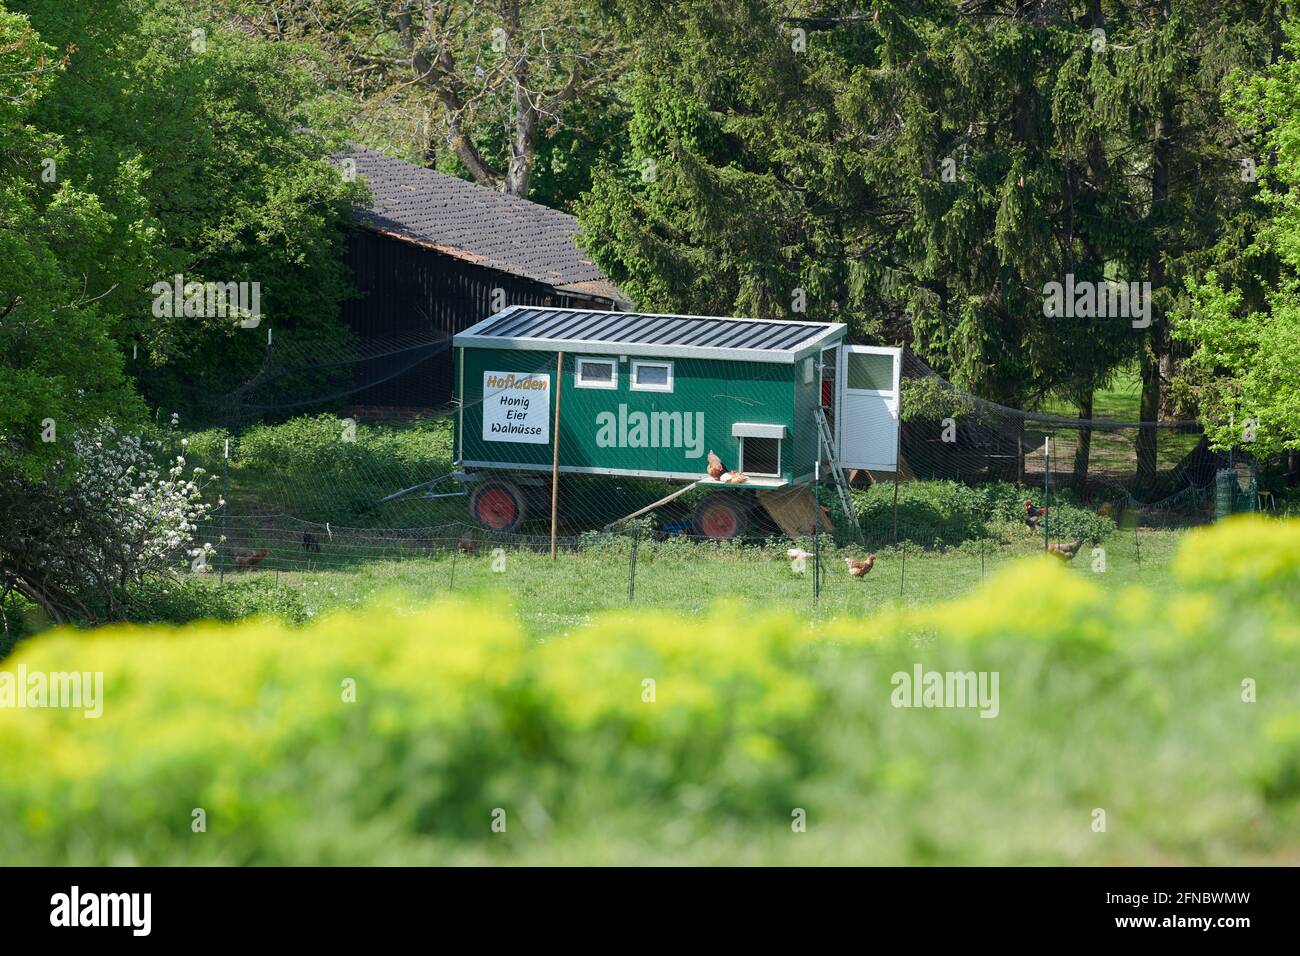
803,443
723,392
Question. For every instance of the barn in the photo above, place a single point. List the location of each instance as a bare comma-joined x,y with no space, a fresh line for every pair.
432,255
649,396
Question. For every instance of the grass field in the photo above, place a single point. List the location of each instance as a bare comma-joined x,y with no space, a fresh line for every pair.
551,597
1117,402
1129,728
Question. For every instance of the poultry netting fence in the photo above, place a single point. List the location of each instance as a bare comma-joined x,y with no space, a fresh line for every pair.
641,566
320,488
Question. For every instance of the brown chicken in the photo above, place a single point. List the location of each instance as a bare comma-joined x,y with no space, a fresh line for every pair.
1033,513
715,468
737,478
245,558
466,543
860,569
1065,552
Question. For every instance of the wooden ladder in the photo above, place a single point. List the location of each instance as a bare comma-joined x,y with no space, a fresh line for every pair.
828,453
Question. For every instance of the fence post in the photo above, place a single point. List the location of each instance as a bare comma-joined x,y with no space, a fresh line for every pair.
631,568
555,453
902,574
225,510
817,522
1047,474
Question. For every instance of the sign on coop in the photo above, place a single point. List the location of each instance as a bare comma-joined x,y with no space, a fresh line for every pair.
516,407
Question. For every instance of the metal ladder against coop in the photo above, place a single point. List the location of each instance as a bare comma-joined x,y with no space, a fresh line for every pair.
826,450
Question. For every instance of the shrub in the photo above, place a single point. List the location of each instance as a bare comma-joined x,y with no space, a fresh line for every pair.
179,601
652,737
314,446
1070,523
104,519
944,514
305,464
930,513
20,621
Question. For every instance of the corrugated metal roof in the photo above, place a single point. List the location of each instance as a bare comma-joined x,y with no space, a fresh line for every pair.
638,333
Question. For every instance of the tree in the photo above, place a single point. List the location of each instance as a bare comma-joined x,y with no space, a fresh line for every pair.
1173,60
1244,367
912,175
211,152
924,172
499,75
60,370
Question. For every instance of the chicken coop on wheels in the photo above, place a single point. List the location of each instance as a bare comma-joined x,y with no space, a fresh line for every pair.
781,403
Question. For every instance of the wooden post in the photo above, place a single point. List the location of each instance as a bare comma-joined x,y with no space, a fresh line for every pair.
817,522
1047,474
555,444
631,566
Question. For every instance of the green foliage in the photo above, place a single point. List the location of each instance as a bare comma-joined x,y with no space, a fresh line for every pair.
1244,326
22,619
59,369
210,157
185,599
1114,700
316,468
316,444
922,174
929,399
945,514
1069,523
930,513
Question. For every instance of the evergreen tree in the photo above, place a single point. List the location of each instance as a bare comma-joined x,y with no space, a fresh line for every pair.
924,171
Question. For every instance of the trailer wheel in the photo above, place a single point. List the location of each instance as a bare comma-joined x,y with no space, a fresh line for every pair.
722,515
498,504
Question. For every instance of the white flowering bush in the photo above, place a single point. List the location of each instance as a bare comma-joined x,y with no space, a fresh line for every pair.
109,514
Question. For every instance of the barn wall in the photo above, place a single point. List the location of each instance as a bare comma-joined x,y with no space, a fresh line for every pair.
406,289
724,392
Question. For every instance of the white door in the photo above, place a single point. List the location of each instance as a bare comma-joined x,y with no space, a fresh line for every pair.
867,419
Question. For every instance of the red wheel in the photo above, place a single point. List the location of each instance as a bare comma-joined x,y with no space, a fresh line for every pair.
720,516
498,505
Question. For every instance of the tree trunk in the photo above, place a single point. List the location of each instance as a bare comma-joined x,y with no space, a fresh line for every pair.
1156,346
523,142
1083,449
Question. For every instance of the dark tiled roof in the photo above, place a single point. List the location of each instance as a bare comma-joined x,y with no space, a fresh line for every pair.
477,225
519,325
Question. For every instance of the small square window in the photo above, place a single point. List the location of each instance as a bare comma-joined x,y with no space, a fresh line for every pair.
596,373
652,376
871,372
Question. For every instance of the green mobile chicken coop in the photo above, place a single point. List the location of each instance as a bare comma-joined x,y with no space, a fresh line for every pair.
649,396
